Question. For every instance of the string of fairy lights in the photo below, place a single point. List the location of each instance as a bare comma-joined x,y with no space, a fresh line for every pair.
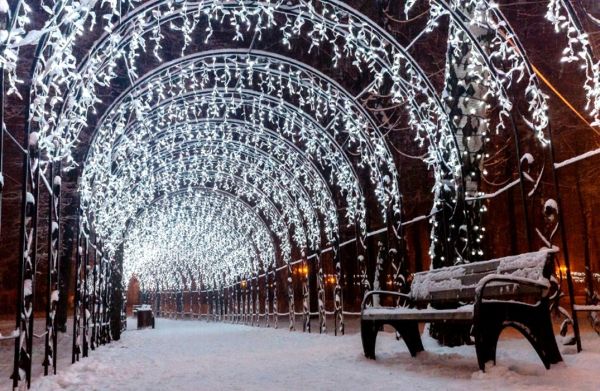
264,128
578,50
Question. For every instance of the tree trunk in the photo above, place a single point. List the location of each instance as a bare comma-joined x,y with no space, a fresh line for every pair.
457,235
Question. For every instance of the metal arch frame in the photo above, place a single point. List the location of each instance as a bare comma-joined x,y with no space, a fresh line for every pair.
246,101
250,151
194,94
144,80
379,31
262,161
316,126
216,193
245,257
213,192
414,66
197,56
182,98
266,135
458,17
330,195
285,10
208,201
239,300
260,195
282,195
273,213
576,22
249,252
274,210
27,238
345,159
53,272
141,83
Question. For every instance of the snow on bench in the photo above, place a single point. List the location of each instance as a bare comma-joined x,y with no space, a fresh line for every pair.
510,291
460,282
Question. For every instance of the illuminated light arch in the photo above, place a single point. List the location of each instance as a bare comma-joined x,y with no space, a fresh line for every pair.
266,140
390,179
235,220
268,7
289,207
327,27
375,144
164,20
408,88
314,187
243,164
505,47
578,50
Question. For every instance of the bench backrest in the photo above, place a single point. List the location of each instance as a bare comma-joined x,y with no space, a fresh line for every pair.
458,283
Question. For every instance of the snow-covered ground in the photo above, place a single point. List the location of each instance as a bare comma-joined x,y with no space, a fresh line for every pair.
193,355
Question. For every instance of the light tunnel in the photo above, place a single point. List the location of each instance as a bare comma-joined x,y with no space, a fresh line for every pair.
252,155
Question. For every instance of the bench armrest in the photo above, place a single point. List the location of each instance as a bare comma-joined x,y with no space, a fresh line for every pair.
370,294
480,290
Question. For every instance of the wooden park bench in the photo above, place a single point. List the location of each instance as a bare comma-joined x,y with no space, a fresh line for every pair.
489,295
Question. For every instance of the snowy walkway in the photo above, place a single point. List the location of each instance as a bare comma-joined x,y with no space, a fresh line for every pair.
193,355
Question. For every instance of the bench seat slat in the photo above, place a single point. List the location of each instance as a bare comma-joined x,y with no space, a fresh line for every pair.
422,315
457,283
466,282
467,294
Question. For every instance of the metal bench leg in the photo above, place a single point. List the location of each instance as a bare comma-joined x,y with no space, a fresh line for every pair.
538,331
548,340
486,340
533,322
368,333
409,331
